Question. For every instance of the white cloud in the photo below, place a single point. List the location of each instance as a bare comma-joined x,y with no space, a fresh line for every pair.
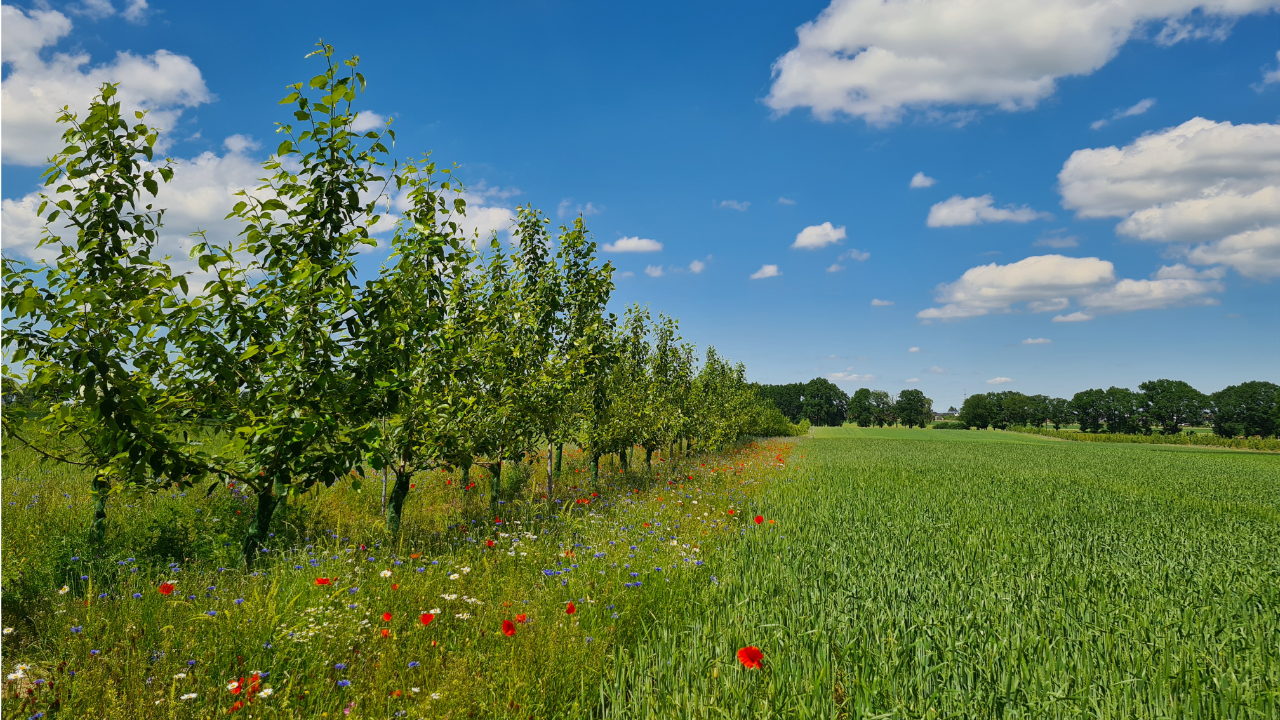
1253,253
880,303
1041,278
1073,317
913,350
633,244
1204,182
876,59
835,267
240,143
735,205
1272,76
1000,381
786,201
937,370
920,180
1037,341
912,380
697,266
853,254
957,210
566,209
850,377
1050,305
765,271
136,11
653,271
818,236
1175,284
625,274
366,121
1140,107
36,89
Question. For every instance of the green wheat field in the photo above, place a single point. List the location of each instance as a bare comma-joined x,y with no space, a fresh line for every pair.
883,573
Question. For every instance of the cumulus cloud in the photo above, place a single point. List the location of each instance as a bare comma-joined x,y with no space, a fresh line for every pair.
633,244
567,209
920,180
1137,109
1272,76
880,303
1050,283
366,121
1000,381
786,201
818,236
913,350
1041,278
853,254
625,274
1036,341
35,90
765,271
1210,189
835,267
912,380
877,59
1056,240
937,370
653,271
697,266
734,205
957,210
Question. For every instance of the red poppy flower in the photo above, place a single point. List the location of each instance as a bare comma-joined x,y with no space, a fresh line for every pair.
730,512
415,556
497,520
386,617
521,618
322,581
750,657
571,609
236,686
239,704
395,586
489,543
385,632
759,519
427,618
508,628
413,485
166,588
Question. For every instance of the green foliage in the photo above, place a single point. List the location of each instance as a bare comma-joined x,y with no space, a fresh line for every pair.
818,400
861,411
1171,404
1186,438
913,408
948,425
1248,409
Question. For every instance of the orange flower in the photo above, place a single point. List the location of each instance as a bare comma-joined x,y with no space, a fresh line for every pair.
386,632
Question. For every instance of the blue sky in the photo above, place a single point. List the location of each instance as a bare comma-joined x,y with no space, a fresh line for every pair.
721,133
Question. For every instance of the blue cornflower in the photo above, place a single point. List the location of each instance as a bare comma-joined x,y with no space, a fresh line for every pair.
413,663
211,613
315,563
94,652
137,596
343,683
340,666
353,590
239,601
84,577
76,628
191,663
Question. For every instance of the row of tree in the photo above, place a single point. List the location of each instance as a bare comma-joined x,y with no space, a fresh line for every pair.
1158,406
822,403
284,371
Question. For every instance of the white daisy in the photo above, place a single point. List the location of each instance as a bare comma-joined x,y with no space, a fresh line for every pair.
385,573
64,590
266,692
188,696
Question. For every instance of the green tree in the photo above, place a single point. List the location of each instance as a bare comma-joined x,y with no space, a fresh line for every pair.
861,411
977,411
1172,403
824,404
913,408
97,334
884,404
1123,410
1247,409
1060,412
1090,409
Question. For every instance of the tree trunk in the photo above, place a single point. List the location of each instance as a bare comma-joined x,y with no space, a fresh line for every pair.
395,504
465,480
260,525
495,485
622,460
559,457
595,469
648,459
101,491
551,447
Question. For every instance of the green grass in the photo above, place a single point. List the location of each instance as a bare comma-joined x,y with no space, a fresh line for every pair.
895,574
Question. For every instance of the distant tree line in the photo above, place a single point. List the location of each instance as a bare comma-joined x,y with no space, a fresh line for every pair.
1158,406
822,403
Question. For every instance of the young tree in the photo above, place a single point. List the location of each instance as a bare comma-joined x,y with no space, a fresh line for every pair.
96,334
276,372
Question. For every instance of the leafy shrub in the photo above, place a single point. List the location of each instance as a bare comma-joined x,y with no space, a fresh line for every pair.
949,425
